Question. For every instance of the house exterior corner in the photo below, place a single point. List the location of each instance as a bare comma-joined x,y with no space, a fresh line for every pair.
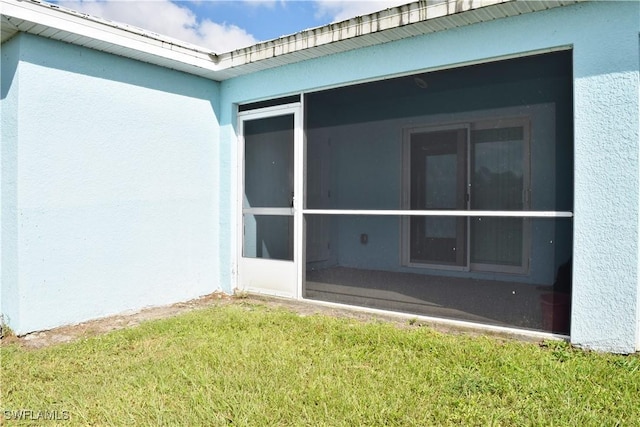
476,174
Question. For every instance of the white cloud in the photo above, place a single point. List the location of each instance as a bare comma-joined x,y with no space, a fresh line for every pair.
167,18
340,10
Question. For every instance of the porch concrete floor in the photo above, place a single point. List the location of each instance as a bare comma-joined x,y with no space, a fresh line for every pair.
499,303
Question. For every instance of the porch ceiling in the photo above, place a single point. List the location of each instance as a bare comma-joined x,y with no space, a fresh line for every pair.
55,22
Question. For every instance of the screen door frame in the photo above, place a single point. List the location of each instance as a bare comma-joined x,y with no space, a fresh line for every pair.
279,277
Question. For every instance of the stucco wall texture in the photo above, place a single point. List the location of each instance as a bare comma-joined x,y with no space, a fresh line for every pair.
121,180
605,314
9,88
115,186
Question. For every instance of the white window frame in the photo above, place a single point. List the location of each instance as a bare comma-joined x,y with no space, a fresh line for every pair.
406,194
471,121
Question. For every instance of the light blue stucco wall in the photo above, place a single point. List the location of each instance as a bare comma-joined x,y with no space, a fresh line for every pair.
604,38
110,189
119,179
606,168
9,90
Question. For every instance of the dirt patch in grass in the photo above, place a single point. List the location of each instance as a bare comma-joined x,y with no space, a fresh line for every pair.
103,325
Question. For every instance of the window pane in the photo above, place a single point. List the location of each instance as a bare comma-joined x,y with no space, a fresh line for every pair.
497,241
268,236
438,240
437,169
497,181
440,182
268,162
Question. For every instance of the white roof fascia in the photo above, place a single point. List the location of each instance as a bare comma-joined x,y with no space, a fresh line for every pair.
376,28
26,13
380,27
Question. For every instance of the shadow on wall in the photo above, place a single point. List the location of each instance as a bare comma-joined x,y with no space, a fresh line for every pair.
105,66
10,53
10,56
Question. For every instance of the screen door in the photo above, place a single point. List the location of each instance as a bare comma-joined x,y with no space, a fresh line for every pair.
269,147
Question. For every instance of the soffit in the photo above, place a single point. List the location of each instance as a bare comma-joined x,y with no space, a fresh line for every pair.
413,19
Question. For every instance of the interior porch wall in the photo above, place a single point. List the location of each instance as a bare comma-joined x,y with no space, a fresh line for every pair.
362,128
366,173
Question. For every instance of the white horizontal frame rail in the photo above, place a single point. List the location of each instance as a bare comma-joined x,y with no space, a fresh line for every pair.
269,211
260,113
460,213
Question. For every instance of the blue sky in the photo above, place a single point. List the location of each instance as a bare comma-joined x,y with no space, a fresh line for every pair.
226,25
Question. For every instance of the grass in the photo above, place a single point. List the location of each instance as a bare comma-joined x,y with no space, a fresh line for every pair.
245,364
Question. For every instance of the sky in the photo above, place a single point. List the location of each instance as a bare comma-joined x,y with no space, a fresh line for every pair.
224,25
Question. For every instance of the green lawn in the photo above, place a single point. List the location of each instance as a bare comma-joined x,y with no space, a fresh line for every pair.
247,364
